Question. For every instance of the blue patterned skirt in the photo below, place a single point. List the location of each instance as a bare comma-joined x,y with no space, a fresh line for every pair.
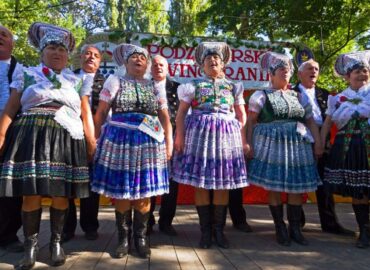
283,160
41,158
129,164
213,157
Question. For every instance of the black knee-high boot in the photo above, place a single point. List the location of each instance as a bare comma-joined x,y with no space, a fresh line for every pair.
123,222
362,217
31,226
204,214
57,218
281,231
219,216
294,213
140,237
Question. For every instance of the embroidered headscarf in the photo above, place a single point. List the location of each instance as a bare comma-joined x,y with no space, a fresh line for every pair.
271,61
208,48
347,61
122,53
42,34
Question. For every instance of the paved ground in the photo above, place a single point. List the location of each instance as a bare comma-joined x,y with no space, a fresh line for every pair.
257,250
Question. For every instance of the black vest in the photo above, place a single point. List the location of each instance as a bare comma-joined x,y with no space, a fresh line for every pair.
13,63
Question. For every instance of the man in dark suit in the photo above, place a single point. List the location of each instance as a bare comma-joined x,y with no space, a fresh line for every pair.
10,208
237,211
167,211
308,73
89,207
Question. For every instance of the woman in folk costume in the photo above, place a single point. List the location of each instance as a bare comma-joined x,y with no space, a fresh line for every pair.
134,146
44,150
348,168
209,143
280,143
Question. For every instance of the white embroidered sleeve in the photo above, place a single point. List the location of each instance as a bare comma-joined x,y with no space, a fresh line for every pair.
18,78
238,94
257,101
110,89
186,92
332,101
160,93
87,85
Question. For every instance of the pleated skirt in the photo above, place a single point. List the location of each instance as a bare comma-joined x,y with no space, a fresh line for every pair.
283,160
41,158
129,164
213,157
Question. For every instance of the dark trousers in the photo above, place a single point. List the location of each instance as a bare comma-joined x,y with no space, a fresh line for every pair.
236,209
168,205
89,208
10,219
325,200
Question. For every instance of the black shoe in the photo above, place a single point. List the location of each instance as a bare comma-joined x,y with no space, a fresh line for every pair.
204,214
93,235
140,238
168,229
294,217
281,232
243,227
66,236
14,247
338,229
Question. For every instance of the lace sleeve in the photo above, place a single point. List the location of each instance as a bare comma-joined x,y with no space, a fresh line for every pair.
332,101
18,78
87,85
238,94
160,93
257,101
110,89
186,92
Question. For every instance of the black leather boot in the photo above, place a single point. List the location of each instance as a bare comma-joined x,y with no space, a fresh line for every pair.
281,231
294,217
204,214
140,237
57,218
219,224
31,226
123,222
362,217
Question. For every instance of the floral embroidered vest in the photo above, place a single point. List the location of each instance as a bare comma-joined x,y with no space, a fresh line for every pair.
135,97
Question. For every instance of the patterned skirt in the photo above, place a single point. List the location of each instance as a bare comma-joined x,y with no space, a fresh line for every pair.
213,157
41,158
347,173
129,164
283,160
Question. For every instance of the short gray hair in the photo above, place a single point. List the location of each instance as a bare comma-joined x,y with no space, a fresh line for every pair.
86,46
304,64
160,57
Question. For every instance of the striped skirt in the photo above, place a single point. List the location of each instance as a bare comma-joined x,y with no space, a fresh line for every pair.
283,161
41,158
213,157
129,164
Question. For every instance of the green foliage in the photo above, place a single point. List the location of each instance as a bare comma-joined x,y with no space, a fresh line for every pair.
183,17
20,14
328,27
148,15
